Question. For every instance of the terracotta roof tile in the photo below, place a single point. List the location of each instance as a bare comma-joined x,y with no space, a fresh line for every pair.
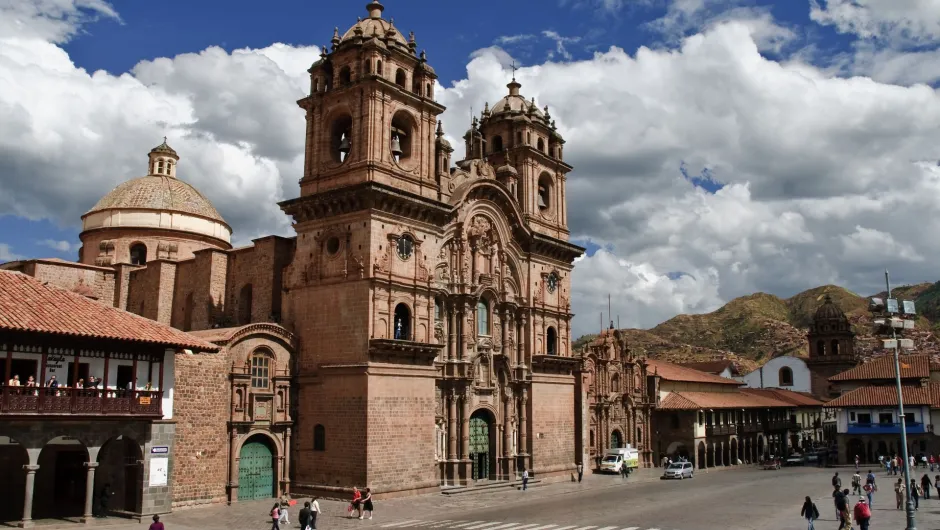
718,400
26,304
934,394
914,366
882,396
798,399
674,372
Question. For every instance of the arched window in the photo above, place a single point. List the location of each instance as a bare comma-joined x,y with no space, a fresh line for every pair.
821,347
438,309
169,167
483,318
260,370
615,383
786,376
416,86
403,127
834,346
160,167
139,251
540,145
427,90
400,78
639,435
244,305
316,84
592,438
319,438
519,138
551,340
402,329
378,67
345,77
341,138
497,143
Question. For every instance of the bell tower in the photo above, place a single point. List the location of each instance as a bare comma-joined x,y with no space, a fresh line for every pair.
371,114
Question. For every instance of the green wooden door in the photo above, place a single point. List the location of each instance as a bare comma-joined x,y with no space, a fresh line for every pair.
480,448
255,472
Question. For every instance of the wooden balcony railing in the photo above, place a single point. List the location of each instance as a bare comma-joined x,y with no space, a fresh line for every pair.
20,400
719,430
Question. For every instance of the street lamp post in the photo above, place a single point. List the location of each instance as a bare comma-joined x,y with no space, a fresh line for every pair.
911,523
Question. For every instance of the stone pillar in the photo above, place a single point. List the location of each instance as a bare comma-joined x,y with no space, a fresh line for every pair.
89,491
287,460
526,347
507,431
523,434
452,426
465,435
233,467
27,520
451,326
279,473
459,330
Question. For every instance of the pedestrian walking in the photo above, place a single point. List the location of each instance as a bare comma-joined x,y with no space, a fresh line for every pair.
888,465
580,471
836,493
314,512
862,514
276,516
284,511
856,463
836,481
809,512
156,524
303,516
525,479
915,493
624,469
869,492
856,484
931,461
842,505
925,485
899,492
367,504
354,505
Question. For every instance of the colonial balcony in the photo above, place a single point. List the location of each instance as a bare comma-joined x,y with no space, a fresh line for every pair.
913,427
720,430
782,425
68,402
747,428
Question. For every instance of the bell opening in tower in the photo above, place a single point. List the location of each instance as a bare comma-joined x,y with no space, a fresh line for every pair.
544,192
401,135
340,141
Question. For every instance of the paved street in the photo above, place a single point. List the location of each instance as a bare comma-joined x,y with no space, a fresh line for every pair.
740,499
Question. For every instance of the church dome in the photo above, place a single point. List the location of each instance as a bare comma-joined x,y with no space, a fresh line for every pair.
829,310
157,192
515,103
374,25
158,200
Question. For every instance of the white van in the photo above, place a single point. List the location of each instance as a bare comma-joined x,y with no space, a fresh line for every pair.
616,459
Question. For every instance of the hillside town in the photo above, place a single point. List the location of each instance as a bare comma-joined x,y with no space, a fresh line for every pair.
414,336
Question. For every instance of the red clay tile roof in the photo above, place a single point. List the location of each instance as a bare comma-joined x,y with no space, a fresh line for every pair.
798,399
712,367
934,394
718,400
913,366
674,372
26,304
882,396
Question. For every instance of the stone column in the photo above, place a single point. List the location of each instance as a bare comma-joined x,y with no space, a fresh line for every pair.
233,467
28,498
452,426
526,347
465,435
280,473
459,330
450,331
89,491
523,434
287,460
507,431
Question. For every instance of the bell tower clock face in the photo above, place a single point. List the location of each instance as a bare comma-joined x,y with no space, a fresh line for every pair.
552,282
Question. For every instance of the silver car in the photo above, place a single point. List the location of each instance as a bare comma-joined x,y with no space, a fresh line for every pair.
679,470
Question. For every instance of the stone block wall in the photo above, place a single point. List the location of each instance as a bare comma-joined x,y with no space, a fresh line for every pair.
150,291
401,436
201,411
332,323
261,266
98,282
552,435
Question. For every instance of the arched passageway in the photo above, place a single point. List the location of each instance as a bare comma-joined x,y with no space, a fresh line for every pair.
119,477
734,451
760,448
482,445
701,455
59,489
256,469
616,439
13,457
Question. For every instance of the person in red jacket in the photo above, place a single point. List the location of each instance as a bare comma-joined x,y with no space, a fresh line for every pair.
862,513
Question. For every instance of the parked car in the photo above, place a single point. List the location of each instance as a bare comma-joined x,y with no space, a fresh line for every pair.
811,458
679,470
795,459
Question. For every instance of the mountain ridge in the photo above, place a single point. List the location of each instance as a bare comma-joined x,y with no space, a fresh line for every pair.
755,328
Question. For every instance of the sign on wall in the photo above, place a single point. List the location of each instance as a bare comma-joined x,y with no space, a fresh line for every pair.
159,471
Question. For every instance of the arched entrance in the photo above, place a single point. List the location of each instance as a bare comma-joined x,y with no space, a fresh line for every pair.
482,445
120,471
734,451
677,450
13,486
760,448
711,455
748,456
616,439
59,490
854,447
256,469
701,455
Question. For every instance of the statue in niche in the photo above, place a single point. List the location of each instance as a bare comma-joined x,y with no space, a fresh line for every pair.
398,332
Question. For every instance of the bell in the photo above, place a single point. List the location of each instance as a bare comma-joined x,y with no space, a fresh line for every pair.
344,147
542,194
396,148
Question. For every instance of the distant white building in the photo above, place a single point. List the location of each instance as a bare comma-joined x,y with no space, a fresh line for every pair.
790,373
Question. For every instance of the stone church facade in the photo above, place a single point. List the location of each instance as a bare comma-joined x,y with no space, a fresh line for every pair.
413,335
447,357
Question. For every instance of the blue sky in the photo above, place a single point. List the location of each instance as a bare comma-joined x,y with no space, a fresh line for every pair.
720,147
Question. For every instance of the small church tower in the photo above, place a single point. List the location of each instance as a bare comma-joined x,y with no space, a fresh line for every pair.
831,341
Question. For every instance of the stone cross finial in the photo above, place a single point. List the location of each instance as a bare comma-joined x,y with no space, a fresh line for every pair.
513,66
